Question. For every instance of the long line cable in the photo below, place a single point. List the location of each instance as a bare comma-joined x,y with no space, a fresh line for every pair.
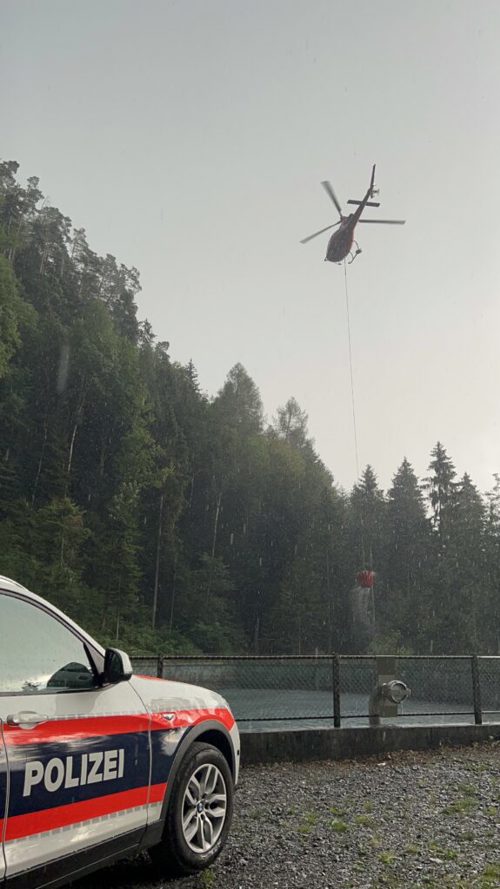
356,452
353,402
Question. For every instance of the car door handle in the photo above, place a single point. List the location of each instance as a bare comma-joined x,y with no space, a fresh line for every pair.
26,719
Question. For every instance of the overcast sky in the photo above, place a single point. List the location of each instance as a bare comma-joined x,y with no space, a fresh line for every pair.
189,138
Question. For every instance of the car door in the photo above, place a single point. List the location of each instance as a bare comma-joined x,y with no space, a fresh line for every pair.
78,754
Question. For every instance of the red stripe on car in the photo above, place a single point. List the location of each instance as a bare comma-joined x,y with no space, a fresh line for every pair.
60,730
186,718
20,826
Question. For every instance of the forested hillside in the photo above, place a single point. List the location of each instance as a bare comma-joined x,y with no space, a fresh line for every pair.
164,520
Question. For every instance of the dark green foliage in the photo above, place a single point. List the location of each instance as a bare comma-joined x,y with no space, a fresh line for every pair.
167,521
10,315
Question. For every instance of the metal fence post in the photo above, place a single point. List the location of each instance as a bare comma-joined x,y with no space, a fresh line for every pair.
336,690
476,690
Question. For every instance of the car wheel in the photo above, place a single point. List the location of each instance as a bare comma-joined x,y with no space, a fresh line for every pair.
199,812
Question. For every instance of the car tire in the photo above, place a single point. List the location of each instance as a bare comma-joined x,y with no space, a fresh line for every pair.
199,813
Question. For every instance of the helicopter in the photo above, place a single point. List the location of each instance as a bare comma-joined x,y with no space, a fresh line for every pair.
341,242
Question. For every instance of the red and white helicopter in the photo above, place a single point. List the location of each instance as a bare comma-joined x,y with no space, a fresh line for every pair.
341,242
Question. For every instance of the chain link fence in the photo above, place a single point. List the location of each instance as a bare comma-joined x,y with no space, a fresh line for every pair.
313,691
489,681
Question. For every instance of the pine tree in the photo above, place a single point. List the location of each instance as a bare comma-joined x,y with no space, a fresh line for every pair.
291,424
368,521
491,607
440,487
405,605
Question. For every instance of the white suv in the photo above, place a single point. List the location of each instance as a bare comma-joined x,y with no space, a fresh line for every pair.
96,763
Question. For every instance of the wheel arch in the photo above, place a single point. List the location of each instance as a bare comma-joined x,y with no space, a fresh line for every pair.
222,741
208,732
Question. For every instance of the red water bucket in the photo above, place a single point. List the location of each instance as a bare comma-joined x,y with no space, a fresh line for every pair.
366,579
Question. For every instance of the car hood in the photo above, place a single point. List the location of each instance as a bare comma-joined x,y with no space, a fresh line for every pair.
164,694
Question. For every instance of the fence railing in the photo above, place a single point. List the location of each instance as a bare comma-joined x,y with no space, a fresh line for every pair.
342,689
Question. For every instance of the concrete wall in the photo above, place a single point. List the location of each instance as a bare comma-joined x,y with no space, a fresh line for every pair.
349,743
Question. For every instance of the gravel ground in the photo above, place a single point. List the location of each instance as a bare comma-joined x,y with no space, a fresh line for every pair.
411,819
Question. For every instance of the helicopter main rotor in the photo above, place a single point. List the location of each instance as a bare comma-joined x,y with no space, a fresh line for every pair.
315,235
331,194
333,197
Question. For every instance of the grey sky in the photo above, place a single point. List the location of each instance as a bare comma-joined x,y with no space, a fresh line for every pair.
189,139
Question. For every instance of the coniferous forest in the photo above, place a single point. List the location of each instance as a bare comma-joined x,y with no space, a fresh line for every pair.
164,520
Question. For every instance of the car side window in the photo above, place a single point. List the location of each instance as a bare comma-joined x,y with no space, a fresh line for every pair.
38,653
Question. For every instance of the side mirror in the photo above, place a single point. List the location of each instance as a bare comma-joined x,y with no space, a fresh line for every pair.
117,667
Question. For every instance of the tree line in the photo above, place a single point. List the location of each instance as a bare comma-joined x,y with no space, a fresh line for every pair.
165,520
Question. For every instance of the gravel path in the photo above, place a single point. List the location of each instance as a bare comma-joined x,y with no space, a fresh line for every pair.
412,819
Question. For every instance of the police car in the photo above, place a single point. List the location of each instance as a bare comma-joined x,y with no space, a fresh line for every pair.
97,764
